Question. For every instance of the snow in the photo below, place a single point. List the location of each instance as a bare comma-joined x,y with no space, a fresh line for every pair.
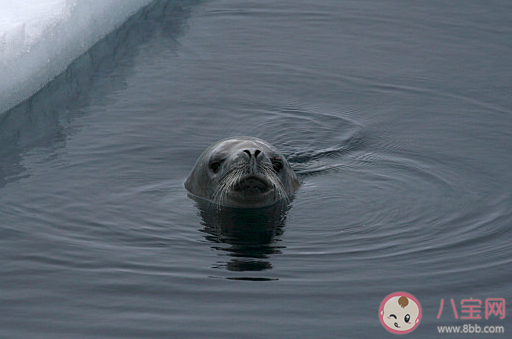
40,38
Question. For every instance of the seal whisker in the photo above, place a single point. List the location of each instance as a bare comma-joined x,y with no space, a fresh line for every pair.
227,183
276,182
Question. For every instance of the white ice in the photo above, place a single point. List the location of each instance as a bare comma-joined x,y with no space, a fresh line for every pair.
40,38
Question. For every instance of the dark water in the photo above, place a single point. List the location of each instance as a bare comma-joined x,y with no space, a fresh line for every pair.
396,114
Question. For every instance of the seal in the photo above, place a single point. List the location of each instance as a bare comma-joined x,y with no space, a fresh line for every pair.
242,172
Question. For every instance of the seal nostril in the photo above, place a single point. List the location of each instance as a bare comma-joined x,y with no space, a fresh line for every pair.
251,154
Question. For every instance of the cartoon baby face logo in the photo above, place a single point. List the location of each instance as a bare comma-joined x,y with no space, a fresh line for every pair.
400,313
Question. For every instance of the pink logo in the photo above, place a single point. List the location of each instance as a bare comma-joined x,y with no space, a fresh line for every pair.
400,313
471,308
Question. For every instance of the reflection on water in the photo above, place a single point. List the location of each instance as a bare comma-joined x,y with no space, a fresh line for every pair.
247,235
44,120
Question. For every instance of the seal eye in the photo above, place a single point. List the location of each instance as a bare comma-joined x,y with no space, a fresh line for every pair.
277,164
407,318
215,166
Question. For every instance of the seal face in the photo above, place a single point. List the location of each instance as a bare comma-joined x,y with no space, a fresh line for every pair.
242,172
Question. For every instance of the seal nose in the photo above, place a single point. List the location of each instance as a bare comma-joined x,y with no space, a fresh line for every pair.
252,153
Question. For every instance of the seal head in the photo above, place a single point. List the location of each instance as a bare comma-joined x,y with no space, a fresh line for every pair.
242,172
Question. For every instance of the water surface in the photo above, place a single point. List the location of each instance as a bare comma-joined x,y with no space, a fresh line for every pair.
396,115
